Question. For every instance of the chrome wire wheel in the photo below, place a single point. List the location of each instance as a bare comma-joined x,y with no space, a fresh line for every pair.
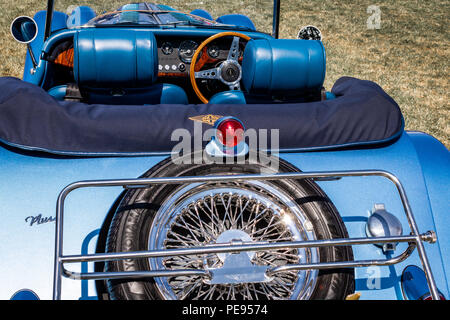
162,217
211,214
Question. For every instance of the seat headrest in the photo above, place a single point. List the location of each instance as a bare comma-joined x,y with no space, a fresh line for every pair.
119,57
283,66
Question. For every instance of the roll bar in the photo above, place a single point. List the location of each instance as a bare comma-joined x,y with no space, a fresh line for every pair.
48,18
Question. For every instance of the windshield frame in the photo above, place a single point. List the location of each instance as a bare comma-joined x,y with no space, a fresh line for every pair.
275,19
155,14
197,21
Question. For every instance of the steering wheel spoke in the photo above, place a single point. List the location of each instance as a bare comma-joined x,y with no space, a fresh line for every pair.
233,54
208,74
235,86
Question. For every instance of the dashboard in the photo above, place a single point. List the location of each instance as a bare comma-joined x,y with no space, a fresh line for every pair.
175,54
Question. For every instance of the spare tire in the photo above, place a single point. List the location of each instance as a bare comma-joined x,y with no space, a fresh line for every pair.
197,214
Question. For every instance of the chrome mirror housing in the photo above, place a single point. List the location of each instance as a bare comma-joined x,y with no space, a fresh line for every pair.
24,29
309,33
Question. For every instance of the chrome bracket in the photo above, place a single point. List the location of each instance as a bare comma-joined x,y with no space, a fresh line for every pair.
238,268
214,150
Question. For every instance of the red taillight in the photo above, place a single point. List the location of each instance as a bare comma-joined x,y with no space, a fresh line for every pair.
230,132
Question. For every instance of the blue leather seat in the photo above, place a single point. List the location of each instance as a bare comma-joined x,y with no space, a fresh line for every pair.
287,68
202,13
239,20
119,67
228,97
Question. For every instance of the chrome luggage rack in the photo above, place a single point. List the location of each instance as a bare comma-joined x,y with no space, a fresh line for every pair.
415,239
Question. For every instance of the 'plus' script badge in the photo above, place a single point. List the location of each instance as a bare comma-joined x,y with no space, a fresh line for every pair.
39,219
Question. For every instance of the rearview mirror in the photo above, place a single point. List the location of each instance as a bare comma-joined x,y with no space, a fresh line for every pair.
309,33
24,29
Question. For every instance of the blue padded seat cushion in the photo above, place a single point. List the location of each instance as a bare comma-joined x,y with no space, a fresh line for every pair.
228,97
239,20
283,66
58,92
202,13
131,62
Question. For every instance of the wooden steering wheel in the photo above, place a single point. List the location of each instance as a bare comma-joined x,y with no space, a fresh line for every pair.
228,72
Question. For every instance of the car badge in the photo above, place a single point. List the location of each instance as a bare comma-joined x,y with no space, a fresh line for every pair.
208,119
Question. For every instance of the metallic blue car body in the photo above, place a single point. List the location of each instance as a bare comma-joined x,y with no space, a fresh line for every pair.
34,182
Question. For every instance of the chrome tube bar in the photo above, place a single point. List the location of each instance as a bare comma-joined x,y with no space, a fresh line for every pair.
226,248
415,237
205,273
347,264
133,274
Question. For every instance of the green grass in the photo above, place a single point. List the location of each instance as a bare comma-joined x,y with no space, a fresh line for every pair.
408,56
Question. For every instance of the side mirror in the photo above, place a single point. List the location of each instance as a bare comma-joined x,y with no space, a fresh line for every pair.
24,29
309,33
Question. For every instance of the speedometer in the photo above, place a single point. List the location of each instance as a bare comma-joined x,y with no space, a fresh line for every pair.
186,50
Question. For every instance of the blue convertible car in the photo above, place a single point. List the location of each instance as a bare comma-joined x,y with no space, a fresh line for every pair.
150,153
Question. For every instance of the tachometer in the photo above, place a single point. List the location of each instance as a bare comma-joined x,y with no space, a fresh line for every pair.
186,50
213,51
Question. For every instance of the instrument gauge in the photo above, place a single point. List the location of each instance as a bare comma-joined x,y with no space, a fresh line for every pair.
167,48
187,50
213,51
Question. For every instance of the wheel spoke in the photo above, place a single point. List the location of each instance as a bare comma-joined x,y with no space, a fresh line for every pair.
215,221
233,54
227,212
242,210
210,227
186,293
204,228
208,74
235,86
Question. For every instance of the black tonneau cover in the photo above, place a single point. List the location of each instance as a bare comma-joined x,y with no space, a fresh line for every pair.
361,115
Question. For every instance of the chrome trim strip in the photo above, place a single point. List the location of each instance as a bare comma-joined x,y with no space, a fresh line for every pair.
225,248
133,274
350,264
